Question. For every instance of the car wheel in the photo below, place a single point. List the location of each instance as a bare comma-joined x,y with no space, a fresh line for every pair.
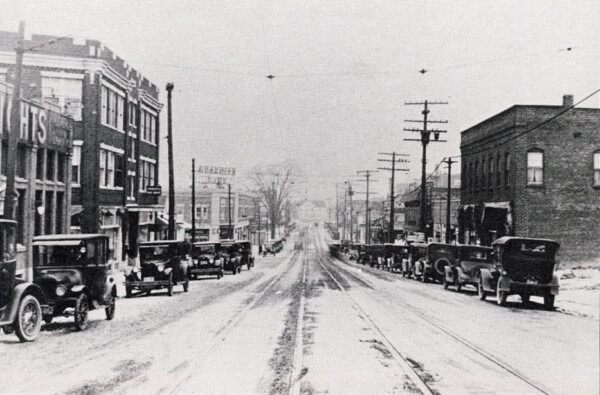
234,271
29,319
549,302
81,312
480,291
170,285
128,292
186,285
423,278
111,307
501,295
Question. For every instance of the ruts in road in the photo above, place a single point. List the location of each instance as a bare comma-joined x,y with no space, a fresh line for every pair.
303,322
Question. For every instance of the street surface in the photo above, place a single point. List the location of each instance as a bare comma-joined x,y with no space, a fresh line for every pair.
304,323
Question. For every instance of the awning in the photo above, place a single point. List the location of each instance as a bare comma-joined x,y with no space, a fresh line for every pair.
76,209
135,208
62,243
497,216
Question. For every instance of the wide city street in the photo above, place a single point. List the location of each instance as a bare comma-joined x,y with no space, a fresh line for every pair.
303,322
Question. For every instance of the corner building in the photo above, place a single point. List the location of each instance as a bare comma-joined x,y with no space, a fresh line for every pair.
115,137
531,172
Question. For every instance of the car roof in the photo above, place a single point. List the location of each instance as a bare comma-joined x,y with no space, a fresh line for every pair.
509,239
160,242
57,237
475,247
206,243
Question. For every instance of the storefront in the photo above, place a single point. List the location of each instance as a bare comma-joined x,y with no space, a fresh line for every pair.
484,223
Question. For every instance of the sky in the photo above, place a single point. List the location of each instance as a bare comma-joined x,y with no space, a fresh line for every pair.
343,73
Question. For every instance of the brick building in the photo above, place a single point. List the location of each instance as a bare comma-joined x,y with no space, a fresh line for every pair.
115,136
527,174
43,168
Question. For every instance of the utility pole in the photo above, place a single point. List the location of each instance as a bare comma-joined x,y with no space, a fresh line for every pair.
367,174
259,219
193,200
15,126
393,169
337,210
449,162
345,208
425,139
229,208
171,229
350,193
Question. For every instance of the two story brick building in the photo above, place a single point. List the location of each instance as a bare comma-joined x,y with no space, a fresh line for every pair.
534,171
115,137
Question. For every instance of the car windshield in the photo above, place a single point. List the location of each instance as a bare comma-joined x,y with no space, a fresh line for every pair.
204,249
155,253
533,248
475,255
58,255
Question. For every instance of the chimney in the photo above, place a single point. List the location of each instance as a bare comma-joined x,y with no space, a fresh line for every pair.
567,100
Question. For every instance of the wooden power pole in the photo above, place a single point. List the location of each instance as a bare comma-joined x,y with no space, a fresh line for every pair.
393,169
171,228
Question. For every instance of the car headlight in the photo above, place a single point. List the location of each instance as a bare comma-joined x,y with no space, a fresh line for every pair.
504,272
61,290
161,268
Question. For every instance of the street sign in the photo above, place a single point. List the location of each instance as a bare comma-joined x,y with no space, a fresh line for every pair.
154,190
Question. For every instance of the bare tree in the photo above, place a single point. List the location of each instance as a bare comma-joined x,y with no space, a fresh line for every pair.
273,184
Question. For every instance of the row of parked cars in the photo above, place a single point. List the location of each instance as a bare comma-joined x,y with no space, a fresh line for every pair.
512,265
71,275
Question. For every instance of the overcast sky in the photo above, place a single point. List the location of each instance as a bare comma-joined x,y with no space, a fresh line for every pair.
343,71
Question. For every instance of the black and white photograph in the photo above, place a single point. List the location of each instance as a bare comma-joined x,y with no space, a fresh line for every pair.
299,197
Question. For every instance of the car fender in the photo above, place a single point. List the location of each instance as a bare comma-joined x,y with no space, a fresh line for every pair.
448,273
504,283
168,270
22,290
459,272
487,280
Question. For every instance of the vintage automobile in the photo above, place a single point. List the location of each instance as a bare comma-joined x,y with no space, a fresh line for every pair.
268,248
431,265
232,256
396,254
247,257
20,301
374,255
466,267
206,260
417,251
163,264
522,266
75,276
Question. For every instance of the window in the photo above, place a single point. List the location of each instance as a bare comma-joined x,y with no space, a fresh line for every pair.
148,127
50,155
22,161
113,108
102,168
491,173
110,169
535,168
119,173
498,181
597,169
131,191
506,170
60,166
41,159
198,213
76,165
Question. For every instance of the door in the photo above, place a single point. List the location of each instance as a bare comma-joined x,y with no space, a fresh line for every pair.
8,262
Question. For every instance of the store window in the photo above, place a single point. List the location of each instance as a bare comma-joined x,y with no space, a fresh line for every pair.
535,167
597,169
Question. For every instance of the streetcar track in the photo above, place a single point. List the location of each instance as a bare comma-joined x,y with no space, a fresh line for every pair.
433,322
296,371
225,329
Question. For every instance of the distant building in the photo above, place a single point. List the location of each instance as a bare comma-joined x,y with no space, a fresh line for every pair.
212,215
534,171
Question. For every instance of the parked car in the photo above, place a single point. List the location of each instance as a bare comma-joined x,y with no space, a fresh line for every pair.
268,248
163,264
232,256
356,252
417,251
396,254
206,260
75,276
374,255
466,267
247,257
20,301
522,266
431,265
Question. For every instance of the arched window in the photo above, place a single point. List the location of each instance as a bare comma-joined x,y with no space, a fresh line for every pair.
535,167
597,169
491,172
498,171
